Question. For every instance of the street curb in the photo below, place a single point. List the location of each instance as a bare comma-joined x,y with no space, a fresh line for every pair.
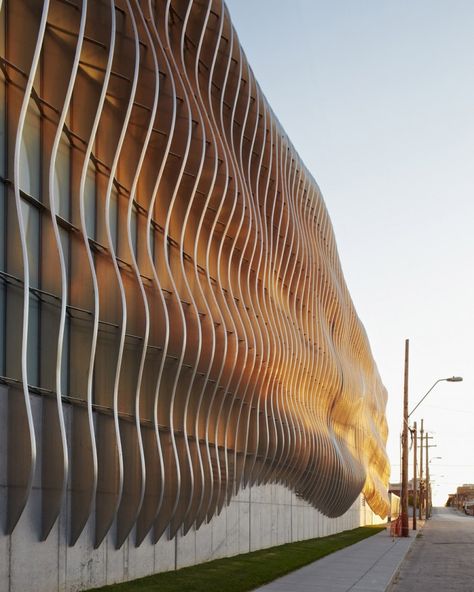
413,536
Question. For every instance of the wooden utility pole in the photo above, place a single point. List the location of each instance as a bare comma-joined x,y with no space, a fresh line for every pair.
420,515
428,486
404,500
427,479
415,484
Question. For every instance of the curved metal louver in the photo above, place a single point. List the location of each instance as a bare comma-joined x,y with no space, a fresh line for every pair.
171,278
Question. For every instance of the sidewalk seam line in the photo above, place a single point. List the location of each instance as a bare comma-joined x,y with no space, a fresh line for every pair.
372,566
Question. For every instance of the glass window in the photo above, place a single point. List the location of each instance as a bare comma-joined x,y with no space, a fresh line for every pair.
33,341
31,223
2,226
168,250
152,243
2,197
113,213
2,283
62,175
30,162
65,357
134,229
65,245
65,239
90,201
2,96
2,327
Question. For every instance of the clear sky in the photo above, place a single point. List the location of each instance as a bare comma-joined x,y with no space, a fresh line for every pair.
378,97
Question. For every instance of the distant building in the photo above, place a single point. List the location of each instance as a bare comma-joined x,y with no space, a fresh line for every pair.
463,499
396,488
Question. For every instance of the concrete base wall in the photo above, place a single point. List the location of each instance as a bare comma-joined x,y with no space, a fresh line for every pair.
257,518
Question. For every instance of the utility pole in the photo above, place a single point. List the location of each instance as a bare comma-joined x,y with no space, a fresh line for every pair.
428,486
404,500
428,511
420,515
415,485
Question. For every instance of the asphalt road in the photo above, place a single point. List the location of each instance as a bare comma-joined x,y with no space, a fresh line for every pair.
442,557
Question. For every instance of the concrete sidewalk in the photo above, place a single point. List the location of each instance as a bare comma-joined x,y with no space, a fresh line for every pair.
367,566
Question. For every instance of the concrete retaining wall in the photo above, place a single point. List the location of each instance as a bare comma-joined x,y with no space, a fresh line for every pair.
258,517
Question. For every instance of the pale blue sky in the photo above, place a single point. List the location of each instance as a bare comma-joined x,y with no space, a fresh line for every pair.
377,96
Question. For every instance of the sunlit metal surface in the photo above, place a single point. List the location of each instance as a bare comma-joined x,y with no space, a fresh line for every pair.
171,274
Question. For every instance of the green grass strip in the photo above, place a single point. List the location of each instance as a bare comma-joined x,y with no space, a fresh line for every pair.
245,572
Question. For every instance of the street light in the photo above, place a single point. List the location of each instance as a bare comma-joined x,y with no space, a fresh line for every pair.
450,379
406,415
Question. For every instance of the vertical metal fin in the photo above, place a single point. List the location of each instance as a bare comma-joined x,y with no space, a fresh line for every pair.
189,305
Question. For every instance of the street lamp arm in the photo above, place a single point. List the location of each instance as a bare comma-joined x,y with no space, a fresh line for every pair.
451,379
423,398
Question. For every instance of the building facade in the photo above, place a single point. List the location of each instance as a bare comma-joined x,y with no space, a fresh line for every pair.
176,336
463,499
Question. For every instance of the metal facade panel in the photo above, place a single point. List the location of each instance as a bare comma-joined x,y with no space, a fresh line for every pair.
186,298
